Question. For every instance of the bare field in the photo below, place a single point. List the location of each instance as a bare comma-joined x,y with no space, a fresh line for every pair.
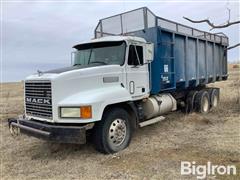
154,153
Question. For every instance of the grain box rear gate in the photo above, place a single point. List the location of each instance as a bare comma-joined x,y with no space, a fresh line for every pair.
184,57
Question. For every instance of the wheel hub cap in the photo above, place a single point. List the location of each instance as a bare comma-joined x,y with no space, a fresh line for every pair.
117,132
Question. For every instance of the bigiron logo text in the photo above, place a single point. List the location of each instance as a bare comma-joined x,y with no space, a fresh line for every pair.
38,100
209,169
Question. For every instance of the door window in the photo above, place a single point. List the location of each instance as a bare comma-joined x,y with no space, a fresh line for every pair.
135,56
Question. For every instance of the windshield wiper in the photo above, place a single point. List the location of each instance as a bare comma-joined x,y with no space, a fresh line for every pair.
90,56
77,64
98,62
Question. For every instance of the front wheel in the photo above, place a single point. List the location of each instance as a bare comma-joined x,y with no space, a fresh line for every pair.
113,133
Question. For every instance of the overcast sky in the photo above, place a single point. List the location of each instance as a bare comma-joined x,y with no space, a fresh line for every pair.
40,35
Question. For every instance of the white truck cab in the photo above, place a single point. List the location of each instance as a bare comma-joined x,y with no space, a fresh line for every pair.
97,92
104,71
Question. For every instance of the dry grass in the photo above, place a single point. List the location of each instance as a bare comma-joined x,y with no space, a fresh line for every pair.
11,104
154,153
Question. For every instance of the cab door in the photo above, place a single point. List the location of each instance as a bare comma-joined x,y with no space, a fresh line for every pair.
137,72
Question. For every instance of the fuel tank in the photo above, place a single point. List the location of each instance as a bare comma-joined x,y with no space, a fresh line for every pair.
157,105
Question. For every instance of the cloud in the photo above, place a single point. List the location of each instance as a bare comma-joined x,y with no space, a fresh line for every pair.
39,35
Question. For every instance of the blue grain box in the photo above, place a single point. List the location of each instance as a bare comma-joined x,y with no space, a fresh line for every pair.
184,57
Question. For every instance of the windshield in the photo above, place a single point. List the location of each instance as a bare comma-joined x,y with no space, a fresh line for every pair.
100,53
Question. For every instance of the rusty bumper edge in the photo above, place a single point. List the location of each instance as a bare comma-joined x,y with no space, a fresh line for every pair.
75,134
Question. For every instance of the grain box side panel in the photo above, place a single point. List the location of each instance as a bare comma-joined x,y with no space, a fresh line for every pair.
210,61
201,61
216,60
191,60
179,58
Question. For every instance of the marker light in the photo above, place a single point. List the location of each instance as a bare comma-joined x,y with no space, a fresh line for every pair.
86,112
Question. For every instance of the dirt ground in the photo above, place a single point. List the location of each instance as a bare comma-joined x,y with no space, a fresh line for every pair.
154,153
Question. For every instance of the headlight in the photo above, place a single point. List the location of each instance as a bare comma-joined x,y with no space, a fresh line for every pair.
84,112
70,112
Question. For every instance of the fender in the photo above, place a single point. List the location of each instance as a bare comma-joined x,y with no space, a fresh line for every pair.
98,99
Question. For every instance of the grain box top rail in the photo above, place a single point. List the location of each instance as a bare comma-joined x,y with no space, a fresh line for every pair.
142,18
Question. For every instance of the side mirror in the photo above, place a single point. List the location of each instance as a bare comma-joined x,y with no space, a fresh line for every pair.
149,52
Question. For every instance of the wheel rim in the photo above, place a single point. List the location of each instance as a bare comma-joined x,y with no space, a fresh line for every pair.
117,132
215,101
205,104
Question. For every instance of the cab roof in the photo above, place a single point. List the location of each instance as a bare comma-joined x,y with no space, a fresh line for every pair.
113,39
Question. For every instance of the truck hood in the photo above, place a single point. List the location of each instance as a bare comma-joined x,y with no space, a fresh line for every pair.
73,72
70,68
85,86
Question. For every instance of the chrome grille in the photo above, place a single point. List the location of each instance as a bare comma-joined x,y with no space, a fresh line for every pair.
38,98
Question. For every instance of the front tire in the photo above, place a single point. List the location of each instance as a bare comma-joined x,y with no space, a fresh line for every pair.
113,133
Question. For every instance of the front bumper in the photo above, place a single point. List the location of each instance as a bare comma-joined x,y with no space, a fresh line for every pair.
51,132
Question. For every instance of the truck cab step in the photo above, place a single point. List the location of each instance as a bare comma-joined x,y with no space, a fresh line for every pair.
151,121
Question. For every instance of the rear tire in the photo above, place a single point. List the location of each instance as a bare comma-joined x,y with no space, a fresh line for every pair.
202,102
214,98
190,106
113,133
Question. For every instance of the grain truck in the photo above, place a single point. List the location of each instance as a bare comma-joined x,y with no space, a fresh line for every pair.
136,69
